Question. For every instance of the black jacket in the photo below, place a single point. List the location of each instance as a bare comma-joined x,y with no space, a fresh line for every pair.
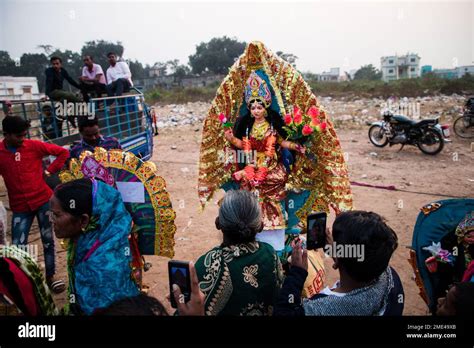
54,80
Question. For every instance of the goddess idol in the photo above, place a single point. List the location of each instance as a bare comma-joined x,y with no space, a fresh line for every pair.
265,132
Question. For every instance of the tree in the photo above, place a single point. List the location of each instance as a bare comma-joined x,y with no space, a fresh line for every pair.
216,56
137,69
368,72
289,57
48,49
181,72
162,68
34,64
99,49
7,65
172,65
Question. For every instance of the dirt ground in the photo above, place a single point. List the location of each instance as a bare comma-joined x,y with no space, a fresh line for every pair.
449,173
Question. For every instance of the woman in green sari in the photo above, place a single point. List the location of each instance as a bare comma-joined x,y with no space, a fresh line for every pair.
241,276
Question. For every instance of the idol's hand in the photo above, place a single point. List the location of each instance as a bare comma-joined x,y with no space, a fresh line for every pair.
229,135
301,149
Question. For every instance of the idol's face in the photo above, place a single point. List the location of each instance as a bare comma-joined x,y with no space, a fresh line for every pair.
257,110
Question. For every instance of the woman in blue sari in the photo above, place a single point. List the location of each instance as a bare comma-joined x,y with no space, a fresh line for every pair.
92,216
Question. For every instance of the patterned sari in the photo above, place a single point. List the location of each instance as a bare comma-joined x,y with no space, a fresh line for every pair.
242,279
99,261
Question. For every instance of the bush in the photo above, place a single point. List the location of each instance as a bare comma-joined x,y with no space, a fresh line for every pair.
180,95
417,87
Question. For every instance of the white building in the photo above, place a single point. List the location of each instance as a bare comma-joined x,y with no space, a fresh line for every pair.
19,88
331,75
463,70
400,67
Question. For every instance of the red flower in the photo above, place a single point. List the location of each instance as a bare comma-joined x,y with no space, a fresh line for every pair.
307,130
222,118
297,117
314,122
313,112
288,120
323,126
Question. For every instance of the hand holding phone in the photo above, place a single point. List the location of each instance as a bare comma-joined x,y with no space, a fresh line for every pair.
196,304
179,274
299,256
316,231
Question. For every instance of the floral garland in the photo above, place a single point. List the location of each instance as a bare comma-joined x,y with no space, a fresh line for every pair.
299,125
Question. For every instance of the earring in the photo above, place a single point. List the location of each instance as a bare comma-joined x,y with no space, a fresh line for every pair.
83,229
334,266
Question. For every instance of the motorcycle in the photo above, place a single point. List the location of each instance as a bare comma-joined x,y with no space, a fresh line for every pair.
427,134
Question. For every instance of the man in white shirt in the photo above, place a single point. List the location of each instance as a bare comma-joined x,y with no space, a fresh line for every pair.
119,77
92,79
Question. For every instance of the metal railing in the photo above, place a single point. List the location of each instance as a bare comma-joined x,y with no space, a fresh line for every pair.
121,117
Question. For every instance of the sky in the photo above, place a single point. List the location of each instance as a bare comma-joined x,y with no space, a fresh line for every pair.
322,34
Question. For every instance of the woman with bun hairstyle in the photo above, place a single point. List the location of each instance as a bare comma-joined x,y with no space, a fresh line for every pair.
241,276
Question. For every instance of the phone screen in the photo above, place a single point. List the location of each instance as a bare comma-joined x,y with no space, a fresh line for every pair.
179,275
316,231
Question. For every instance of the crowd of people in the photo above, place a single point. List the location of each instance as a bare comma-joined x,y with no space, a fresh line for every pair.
116,81
241,276
93,82
252,271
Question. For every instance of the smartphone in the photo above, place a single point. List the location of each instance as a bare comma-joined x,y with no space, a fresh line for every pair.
178,272
316,231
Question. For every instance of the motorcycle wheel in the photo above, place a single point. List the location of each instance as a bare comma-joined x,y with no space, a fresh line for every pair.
463,128
377,136
431,142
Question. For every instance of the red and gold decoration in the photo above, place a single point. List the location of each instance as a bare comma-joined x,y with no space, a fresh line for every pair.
327,178
153,219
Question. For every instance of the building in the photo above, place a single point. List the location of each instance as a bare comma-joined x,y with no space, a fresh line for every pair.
454,73
463,70
446,73
331,75
425,69
19,88
400,67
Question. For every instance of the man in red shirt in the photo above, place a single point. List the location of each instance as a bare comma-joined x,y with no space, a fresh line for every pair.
21,165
